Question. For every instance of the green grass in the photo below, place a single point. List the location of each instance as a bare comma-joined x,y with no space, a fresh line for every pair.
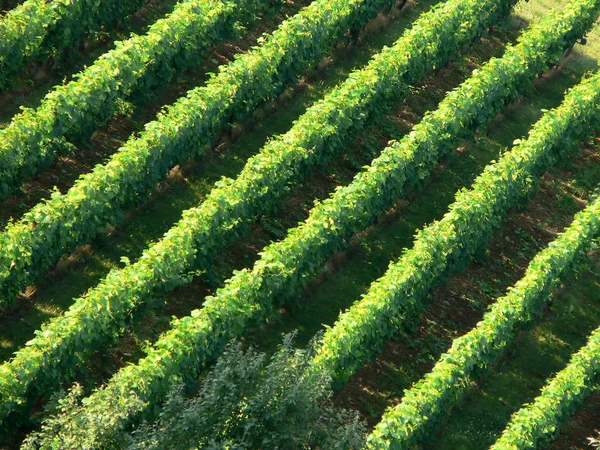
528,363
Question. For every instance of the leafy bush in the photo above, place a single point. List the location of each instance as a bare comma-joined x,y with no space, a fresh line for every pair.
246,401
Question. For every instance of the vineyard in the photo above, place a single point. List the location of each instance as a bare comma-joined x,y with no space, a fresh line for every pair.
294,224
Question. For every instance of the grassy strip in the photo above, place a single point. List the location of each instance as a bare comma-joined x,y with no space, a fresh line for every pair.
427,403
537,423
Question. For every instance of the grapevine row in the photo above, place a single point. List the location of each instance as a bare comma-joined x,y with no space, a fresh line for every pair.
38,26
284,266
537,423
447,245
322,129
35,137
50,229
426,404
